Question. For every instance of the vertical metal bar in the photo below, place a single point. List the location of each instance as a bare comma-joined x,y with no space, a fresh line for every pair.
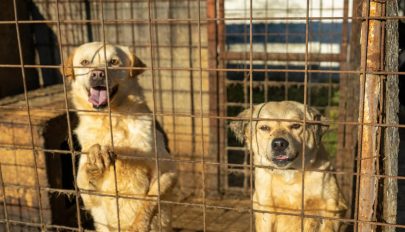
247,88
348,111
95,8
82,29
391,135
378,133
154,109
214,137
343,45
69,12
221,26
27,105
201,116
369,104
251,111
364,37
330,83
131,13
173,80
191,79
70,142
266,75
222,91
88,17
310,33
109,112
380,108
3,190
287,11
157,55
305,116
343,89
117,34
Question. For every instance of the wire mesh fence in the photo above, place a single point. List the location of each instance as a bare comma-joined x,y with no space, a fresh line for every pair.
205,63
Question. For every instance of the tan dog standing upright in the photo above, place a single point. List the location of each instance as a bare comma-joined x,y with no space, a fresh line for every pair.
278,151
132,130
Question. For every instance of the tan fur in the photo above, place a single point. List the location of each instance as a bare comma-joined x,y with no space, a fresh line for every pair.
279,189
67,69
132,136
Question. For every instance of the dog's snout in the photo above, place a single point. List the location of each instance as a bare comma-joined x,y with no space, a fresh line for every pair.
97,74
97,78
279,144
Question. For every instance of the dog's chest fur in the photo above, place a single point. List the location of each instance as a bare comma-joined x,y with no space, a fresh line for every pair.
284,190
128,132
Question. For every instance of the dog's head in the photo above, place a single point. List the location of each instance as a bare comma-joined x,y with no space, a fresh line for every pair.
86,69
280,143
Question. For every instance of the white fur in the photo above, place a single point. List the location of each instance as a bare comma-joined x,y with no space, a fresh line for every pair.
132,137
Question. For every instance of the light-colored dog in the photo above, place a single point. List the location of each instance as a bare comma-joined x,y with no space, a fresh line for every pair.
278,153
132,129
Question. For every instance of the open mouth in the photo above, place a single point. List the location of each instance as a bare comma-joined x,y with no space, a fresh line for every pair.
98,96
282,159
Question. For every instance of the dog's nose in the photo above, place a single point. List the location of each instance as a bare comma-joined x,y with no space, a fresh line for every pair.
279,144
97,78
97,74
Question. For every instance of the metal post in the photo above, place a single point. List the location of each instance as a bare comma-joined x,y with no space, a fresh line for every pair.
371,84
215,124
391,135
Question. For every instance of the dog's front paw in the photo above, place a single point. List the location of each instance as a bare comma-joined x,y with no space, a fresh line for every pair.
99,159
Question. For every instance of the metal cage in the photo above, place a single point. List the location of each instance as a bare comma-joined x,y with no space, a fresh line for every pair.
206,62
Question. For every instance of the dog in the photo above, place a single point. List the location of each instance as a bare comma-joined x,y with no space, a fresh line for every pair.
277,148
95,89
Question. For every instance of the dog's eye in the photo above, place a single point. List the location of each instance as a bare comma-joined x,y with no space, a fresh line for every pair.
296,126
85,62
264,128
114,62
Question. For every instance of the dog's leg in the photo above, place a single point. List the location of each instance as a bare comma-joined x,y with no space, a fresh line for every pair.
91,170
143,218
99,159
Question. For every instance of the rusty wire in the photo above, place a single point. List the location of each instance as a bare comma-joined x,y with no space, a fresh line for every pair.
365,28
3,192
151,50
188,21
252,220
70,136
216,69
103,39
218,19
305,117
200,77
34,154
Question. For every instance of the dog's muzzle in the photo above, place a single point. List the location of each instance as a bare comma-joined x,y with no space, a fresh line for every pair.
279,144
97,78
278,148
98,89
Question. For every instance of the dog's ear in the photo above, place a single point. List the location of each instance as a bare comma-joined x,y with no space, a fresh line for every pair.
315,115
67,69
239,127
135,62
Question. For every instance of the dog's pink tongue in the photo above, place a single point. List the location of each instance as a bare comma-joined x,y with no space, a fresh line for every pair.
282,157
98,97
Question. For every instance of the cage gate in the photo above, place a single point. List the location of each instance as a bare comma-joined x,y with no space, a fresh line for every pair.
206,62
279,45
